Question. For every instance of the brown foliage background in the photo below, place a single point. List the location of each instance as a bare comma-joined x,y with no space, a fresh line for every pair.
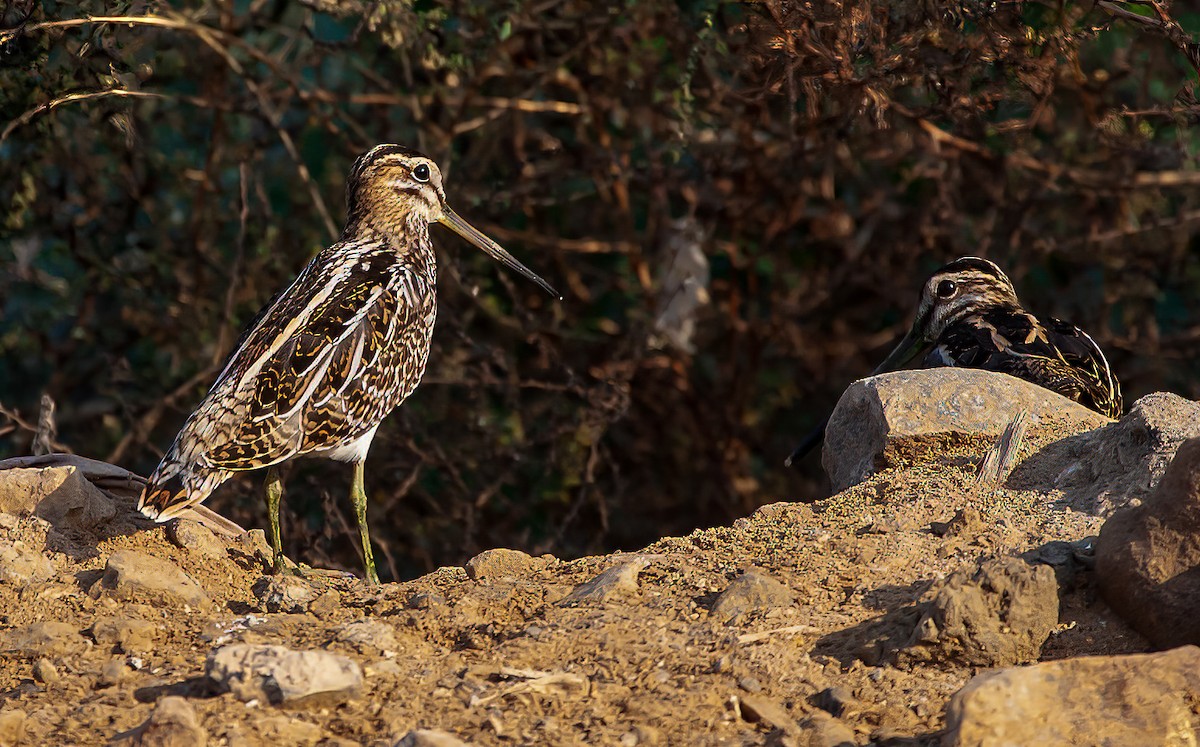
167,167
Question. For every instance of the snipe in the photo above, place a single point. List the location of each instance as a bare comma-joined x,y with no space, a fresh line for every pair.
969,316
333,354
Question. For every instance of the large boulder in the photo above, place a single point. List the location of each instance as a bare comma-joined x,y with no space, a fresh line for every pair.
876,414
1119,701
1148,556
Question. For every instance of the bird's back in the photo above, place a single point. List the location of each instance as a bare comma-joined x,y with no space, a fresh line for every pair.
1058,355
322,365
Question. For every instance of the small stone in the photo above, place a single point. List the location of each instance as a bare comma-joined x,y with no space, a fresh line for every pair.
132,576
112,673
996,615
966,522
195,537
49,638
285,730
618,580
9,521
753,590
836,701
326,604
1140,699
383,668
45,672
12,728
750,684
501,564
173,723
19,565
128,635
430,738
279,675
760,709
823,730
284,593
368,635
1148,556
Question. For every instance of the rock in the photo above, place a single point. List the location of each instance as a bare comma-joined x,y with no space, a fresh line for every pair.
876,413
132,576
368,635
112,673
48,638
124,635
966,522
12,728
60,495
822,730
996,615
836,701
430,738
1148,557
753,590
615,581
284,730
45,672
1134,700
760,709
281,676
502,564
173,723
284,593
1115,466
20,565
195,537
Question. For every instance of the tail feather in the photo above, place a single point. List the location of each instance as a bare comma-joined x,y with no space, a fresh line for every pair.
171,491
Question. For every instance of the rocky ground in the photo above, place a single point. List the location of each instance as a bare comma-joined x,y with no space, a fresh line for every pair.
912,607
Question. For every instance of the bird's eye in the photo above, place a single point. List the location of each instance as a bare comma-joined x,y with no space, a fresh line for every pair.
421,173
946,288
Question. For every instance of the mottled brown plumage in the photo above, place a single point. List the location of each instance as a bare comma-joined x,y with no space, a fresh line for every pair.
334,353
969,316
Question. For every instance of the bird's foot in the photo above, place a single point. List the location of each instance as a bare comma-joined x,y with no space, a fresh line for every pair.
285,565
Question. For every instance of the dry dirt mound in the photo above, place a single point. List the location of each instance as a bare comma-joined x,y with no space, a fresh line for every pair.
849,621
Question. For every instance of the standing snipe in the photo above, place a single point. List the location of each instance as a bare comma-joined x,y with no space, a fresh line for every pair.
969,316
330,356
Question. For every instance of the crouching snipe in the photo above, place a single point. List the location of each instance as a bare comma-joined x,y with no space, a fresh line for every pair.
968,315
330,356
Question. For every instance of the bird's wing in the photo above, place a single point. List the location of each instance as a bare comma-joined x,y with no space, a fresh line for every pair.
1059,356
285,388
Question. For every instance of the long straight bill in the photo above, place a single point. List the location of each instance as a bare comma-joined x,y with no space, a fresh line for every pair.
453,221
908,349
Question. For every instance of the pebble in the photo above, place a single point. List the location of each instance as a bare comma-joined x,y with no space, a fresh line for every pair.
280,675
132,576
430,738
172,723
284,593
50,638
45,672
753,590
368,635
619,579
195,537
129,635
21,566
502,564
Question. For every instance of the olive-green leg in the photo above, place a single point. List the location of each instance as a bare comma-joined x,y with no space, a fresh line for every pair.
274,493
281,563
359,496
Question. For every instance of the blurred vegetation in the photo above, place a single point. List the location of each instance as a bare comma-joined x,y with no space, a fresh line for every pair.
738,200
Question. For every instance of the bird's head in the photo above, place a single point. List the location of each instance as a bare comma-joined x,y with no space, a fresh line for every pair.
390,187
966,286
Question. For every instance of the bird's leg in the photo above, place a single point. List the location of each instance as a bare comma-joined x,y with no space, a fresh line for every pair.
359,496
282,563
274,493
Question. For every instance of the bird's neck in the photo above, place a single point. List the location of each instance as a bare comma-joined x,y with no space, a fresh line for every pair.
407,234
